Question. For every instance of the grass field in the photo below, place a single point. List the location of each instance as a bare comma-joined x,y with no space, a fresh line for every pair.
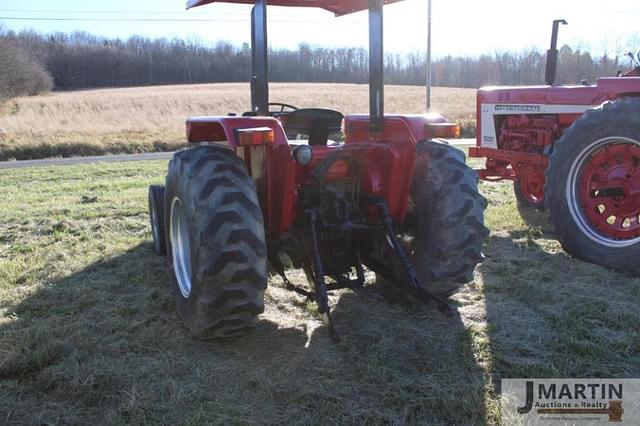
89,334
148,119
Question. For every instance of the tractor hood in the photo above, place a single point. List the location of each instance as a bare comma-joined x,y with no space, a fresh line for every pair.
339,7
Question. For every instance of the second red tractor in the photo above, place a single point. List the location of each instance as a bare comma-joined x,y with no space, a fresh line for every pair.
576,150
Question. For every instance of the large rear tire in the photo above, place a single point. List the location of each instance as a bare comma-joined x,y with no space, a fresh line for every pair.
593,186
216,242
447,219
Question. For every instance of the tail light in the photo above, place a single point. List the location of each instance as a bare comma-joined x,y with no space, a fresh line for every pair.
255,136
444,130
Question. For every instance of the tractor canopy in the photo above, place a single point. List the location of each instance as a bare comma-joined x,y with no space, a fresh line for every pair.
339,7
260,48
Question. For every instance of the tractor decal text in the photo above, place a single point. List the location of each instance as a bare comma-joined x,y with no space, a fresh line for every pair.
518,108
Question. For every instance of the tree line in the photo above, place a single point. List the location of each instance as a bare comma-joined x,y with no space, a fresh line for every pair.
81,60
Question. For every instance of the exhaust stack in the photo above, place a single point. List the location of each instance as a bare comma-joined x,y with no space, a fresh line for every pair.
552,53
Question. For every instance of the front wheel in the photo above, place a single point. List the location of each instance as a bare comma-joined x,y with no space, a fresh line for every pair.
529,191
593,186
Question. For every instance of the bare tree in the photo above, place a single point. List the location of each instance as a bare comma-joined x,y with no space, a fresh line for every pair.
20,74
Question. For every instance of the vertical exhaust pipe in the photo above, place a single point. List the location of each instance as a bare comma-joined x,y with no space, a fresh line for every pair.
552,53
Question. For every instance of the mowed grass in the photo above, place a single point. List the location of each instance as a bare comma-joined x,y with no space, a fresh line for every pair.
147,119
89,334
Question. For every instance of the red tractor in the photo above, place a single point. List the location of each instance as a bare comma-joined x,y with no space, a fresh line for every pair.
574,150
389,198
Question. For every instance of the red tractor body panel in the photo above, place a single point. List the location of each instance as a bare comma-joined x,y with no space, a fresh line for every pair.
222,129
339,7
517,126
386,161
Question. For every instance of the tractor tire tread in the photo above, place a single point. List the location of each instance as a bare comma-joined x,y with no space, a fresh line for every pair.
156,201
446,189
228,243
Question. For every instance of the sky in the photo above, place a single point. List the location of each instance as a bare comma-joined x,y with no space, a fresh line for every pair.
460,27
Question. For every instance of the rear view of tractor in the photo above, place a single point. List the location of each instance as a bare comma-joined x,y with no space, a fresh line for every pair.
574,151
249,192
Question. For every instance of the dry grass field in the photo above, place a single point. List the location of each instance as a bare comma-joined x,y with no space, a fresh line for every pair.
89,333
147,119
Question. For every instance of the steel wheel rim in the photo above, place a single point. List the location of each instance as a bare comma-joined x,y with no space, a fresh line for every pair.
580,196
180,247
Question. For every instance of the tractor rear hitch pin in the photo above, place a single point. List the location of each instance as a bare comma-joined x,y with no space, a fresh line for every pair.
412,276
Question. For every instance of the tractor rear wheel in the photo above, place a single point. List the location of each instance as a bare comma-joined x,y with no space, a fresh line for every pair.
446,219
593,186
216,243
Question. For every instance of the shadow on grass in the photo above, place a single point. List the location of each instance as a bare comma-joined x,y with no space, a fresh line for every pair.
104,345
403,364
548,315
537,220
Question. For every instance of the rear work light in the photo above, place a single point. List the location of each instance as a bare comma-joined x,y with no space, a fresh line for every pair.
443,130
303,154
255,136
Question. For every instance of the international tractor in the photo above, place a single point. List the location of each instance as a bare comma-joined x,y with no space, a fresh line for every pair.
252,191
574,151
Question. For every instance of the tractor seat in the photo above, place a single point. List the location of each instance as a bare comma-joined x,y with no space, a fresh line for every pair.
317,123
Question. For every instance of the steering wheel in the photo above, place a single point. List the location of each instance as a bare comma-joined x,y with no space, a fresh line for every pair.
280,109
